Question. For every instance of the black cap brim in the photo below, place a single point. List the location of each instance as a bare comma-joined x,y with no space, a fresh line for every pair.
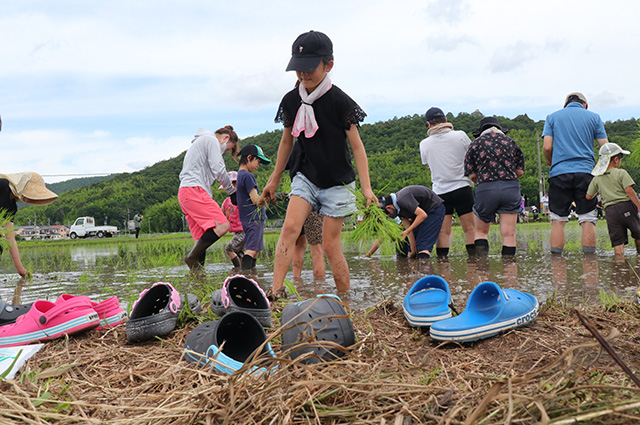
306,64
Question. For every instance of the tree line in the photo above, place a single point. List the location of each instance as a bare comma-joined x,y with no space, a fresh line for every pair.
394,162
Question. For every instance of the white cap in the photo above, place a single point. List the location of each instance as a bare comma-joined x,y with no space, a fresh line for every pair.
607,151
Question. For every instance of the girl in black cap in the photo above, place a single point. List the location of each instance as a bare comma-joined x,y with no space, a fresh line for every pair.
323,118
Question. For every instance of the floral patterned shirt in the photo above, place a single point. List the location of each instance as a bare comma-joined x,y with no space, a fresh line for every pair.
493,156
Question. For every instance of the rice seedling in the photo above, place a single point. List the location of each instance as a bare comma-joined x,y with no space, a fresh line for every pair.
375,224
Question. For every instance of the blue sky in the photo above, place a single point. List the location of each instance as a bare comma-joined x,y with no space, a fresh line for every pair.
104,87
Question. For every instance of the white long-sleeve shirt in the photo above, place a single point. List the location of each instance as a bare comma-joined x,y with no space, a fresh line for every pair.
203,163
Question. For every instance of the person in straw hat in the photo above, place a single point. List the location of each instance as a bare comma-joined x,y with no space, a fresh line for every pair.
26,187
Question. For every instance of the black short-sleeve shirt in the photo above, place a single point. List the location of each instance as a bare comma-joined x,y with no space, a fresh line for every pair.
8,205
325,158
412,197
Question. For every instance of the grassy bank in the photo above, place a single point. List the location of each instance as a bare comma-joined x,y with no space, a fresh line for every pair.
551,372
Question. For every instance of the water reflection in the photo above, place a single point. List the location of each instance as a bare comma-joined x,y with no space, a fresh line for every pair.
124,269
89,255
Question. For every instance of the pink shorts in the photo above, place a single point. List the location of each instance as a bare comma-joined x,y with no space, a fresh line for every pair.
202,212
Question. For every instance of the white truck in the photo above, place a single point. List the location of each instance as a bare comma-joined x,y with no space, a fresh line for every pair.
86,226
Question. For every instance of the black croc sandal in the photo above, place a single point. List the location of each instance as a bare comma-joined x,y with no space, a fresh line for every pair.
9,313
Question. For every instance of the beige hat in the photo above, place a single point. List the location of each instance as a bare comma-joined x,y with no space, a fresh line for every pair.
575,94
30,187
606,152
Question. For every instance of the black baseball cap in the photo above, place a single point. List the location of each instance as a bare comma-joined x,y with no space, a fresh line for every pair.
308,50
256,151
434,113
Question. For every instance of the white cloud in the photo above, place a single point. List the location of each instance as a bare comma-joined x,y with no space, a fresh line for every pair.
112,86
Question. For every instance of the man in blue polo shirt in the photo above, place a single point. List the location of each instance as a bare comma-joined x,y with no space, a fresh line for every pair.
568,147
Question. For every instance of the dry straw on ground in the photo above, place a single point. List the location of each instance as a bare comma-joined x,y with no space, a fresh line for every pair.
550,372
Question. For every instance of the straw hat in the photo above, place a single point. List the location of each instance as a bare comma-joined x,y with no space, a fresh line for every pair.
30,187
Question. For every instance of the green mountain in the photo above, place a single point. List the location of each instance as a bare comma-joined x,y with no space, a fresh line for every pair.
68,185
394,162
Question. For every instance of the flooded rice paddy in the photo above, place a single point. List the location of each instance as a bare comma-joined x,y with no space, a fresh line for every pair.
124,266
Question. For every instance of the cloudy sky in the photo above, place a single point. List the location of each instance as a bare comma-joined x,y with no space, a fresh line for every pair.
105,87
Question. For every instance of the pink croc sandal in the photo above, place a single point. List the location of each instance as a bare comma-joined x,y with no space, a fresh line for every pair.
109,311
46,320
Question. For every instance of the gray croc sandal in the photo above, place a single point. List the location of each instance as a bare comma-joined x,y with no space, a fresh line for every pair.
192,301
154,314
240,293
226,344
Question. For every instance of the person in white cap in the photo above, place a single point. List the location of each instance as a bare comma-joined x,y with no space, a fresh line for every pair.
619,198
568,147
19,187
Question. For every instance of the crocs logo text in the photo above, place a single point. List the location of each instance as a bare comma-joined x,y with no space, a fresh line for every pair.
529,317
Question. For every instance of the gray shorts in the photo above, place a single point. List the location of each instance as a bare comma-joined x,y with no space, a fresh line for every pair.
497,197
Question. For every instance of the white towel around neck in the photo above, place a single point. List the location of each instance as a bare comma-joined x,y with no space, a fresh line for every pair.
305,118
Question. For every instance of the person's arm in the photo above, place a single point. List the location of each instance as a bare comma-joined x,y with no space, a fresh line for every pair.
602,141
473,177
284,152
412,238
633,196
547,148
373,249
362,163
519,173
421,216
10,235
589,197
256,198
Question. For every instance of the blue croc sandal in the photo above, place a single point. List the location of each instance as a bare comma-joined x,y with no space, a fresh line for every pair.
427,301
226,344
490,310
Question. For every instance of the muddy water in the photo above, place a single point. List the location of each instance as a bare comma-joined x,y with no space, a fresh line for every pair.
125,267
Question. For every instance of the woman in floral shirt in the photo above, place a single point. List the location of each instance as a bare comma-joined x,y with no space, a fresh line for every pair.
495,163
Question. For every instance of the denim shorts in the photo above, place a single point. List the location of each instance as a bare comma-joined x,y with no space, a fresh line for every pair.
335,201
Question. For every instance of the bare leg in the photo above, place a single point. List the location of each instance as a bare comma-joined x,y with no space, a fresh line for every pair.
589,234
298,255
508,229
444,238
297,212
317,255
557,234
468,227
331,232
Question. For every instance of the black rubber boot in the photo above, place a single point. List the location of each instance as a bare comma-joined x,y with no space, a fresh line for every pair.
236,261
508,250
200,249
471,249
482,247
247,262
442,252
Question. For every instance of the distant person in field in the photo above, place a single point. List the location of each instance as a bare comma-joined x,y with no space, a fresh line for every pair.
619,198
203,164
443,151
235,247
251,204
20,187
568,147
325,121
495,163
421,212
137,223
